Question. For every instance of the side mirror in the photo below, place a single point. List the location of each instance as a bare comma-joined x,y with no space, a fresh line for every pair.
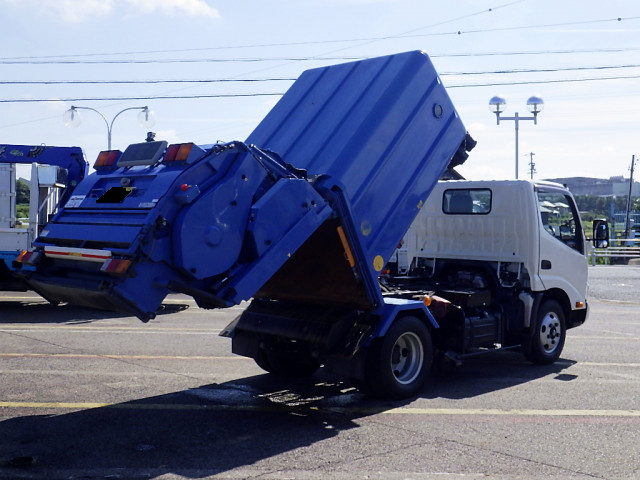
600,233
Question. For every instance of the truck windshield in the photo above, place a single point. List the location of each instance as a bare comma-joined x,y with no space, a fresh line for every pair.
559,217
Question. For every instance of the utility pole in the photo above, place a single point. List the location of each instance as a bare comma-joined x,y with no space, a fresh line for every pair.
627,224
532,166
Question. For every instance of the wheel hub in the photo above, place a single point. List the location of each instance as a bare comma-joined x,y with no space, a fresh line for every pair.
550,332
407,358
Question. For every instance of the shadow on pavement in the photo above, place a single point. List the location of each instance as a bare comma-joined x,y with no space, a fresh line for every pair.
221,427
39,311
193,433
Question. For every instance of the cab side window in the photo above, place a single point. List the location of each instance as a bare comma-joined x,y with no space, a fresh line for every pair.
466,201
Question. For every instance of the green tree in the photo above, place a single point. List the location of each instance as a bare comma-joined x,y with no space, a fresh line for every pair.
22,192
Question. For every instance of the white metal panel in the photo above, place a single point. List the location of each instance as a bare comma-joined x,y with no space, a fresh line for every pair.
7,195
14,239
506,233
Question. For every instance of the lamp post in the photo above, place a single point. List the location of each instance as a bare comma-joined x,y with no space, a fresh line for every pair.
72,119
498,105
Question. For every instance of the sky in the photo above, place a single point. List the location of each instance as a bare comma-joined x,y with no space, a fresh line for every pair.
210,70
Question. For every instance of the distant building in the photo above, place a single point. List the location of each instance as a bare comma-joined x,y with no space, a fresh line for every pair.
614,186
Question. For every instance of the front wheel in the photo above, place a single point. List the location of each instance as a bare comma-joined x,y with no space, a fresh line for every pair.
547,341
399,363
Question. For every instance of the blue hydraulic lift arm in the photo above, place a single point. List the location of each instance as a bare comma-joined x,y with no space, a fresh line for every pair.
70,158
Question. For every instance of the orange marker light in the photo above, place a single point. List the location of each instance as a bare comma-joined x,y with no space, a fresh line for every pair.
178,152
107,159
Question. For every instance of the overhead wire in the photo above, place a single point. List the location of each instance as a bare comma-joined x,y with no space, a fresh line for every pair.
408,34
326,56
290,79
49,60
281,44
271,94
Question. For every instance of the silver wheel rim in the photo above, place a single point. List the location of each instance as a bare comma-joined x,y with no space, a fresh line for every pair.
407,358
550,332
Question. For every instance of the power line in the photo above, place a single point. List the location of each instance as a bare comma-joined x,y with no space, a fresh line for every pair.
141,97
538,52
170,60
283,44
540,70
538,82
291,79
136,82
410,34
18,61
271,94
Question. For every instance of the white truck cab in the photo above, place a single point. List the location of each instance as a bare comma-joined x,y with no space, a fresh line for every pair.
520,242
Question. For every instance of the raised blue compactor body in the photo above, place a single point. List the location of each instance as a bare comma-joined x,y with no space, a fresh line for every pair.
301,217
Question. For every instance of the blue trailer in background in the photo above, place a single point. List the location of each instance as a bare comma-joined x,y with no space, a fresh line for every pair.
55,171
300,219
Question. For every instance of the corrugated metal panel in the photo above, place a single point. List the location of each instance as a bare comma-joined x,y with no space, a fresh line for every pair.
384,127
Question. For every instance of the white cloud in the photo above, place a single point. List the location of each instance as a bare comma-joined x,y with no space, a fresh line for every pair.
171,7
76,11
73,11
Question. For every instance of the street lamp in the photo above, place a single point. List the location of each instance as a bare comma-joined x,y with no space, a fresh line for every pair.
498,105
72,119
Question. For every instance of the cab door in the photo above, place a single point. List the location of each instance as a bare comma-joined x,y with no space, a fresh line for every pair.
562,261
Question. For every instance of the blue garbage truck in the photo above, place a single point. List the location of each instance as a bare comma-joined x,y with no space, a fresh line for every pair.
299,219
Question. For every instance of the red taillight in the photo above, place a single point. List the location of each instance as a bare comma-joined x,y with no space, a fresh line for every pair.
118,266
107,159
178,152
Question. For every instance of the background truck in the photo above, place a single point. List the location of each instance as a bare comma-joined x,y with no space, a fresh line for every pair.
300,219
503,262
55,171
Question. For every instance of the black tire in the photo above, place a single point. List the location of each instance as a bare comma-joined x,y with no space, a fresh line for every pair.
547,341
286,364
399,364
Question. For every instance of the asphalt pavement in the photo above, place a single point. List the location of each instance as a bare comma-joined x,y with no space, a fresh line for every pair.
88,394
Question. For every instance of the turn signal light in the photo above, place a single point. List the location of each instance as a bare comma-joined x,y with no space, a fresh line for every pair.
29,258
178,152
118,266
107,159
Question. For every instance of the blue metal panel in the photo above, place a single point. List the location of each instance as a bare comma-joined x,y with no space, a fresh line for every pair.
392,307
384,128
373,136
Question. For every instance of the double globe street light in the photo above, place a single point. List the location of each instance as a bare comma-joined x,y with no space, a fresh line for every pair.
146,118
498,105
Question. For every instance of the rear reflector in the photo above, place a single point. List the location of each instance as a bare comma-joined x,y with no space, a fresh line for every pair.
85,254
116,265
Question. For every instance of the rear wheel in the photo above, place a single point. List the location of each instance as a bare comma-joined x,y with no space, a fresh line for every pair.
547,341
399,363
